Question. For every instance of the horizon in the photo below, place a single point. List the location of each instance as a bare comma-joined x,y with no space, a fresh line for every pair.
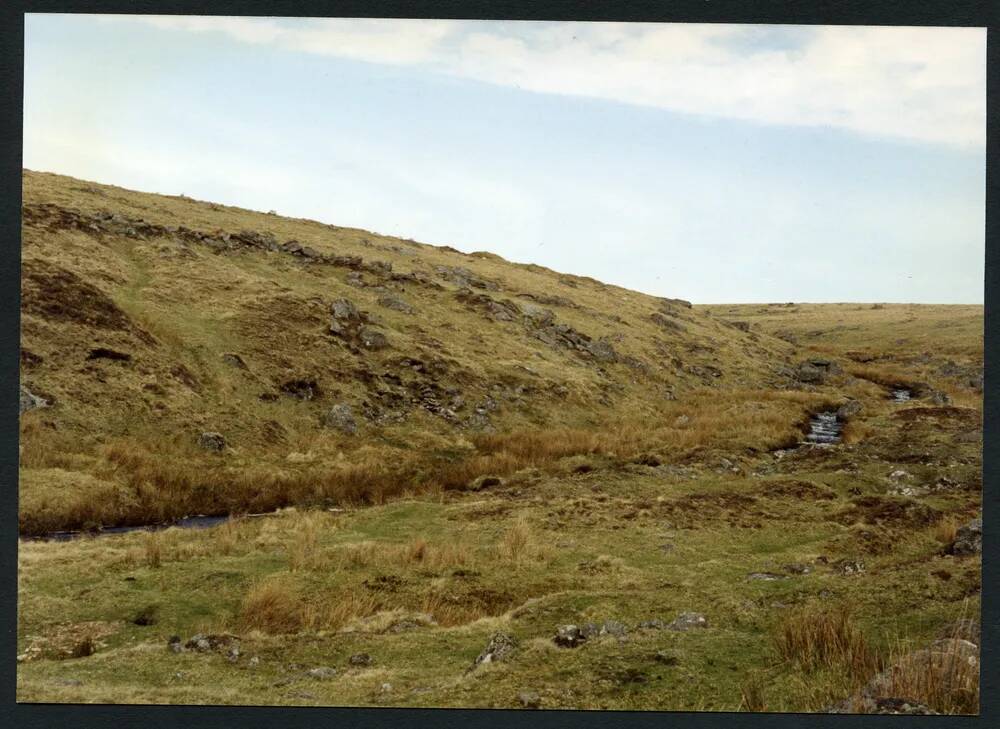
723,180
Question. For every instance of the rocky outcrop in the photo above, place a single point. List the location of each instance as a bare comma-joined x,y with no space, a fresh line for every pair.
211,441
31,401
465,278
499,648
341,417
968,539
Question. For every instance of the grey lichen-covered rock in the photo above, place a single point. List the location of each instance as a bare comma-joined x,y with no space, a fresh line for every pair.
396,303
31,401
968,539
569,636
810,374
345,310
372,338
360,659
529,700
688,621
341,417
211,441
500,647
321,673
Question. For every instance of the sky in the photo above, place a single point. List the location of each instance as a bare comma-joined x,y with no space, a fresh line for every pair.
715,163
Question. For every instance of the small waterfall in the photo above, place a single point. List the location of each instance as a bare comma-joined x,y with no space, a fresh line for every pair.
824,429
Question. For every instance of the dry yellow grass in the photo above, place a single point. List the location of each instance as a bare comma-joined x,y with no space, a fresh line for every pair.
273,605
815,637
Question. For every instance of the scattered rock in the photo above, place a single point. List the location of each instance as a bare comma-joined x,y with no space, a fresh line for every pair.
211,441
31,401
569,636
234,360
500,647
964,629
687,621
766,576
613,627
681,421
360,659
396,303
797,568
484,482
968,539
147,616
849,410
529,700
849,566
322,673
667,659
175,645
341,417
371,338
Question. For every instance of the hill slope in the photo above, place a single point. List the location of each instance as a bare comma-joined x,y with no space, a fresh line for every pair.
148,320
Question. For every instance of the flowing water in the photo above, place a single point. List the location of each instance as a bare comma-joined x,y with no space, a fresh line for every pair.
824,429
188,522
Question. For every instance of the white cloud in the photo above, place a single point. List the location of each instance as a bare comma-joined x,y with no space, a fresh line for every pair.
924,84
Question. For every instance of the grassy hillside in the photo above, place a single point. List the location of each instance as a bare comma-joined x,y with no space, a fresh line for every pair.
495,449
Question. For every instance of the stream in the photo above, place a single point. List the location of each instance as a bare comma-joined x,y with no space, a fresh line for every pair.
824,429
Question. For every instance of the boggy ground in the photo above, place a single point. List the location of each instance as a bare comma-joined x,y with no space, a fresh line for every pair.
815,569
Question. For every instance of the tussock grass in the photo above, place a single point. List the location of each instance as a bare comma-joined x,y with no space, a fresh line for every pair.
944,678
946,529
273,605
816,638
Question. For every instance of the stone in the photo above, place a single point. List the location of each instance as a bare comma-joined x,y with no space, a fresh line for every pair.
939,398
341,417
963,628
681,421
211,441
849,409
613,627
537,315
810,374
797,568
372,339
687,621
175,645
849,566
667,659
968,539
345,310
360,659
569,636
654,624
391,301
322,673
485,482
31,401
234,360
766,576
529,700
499,648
